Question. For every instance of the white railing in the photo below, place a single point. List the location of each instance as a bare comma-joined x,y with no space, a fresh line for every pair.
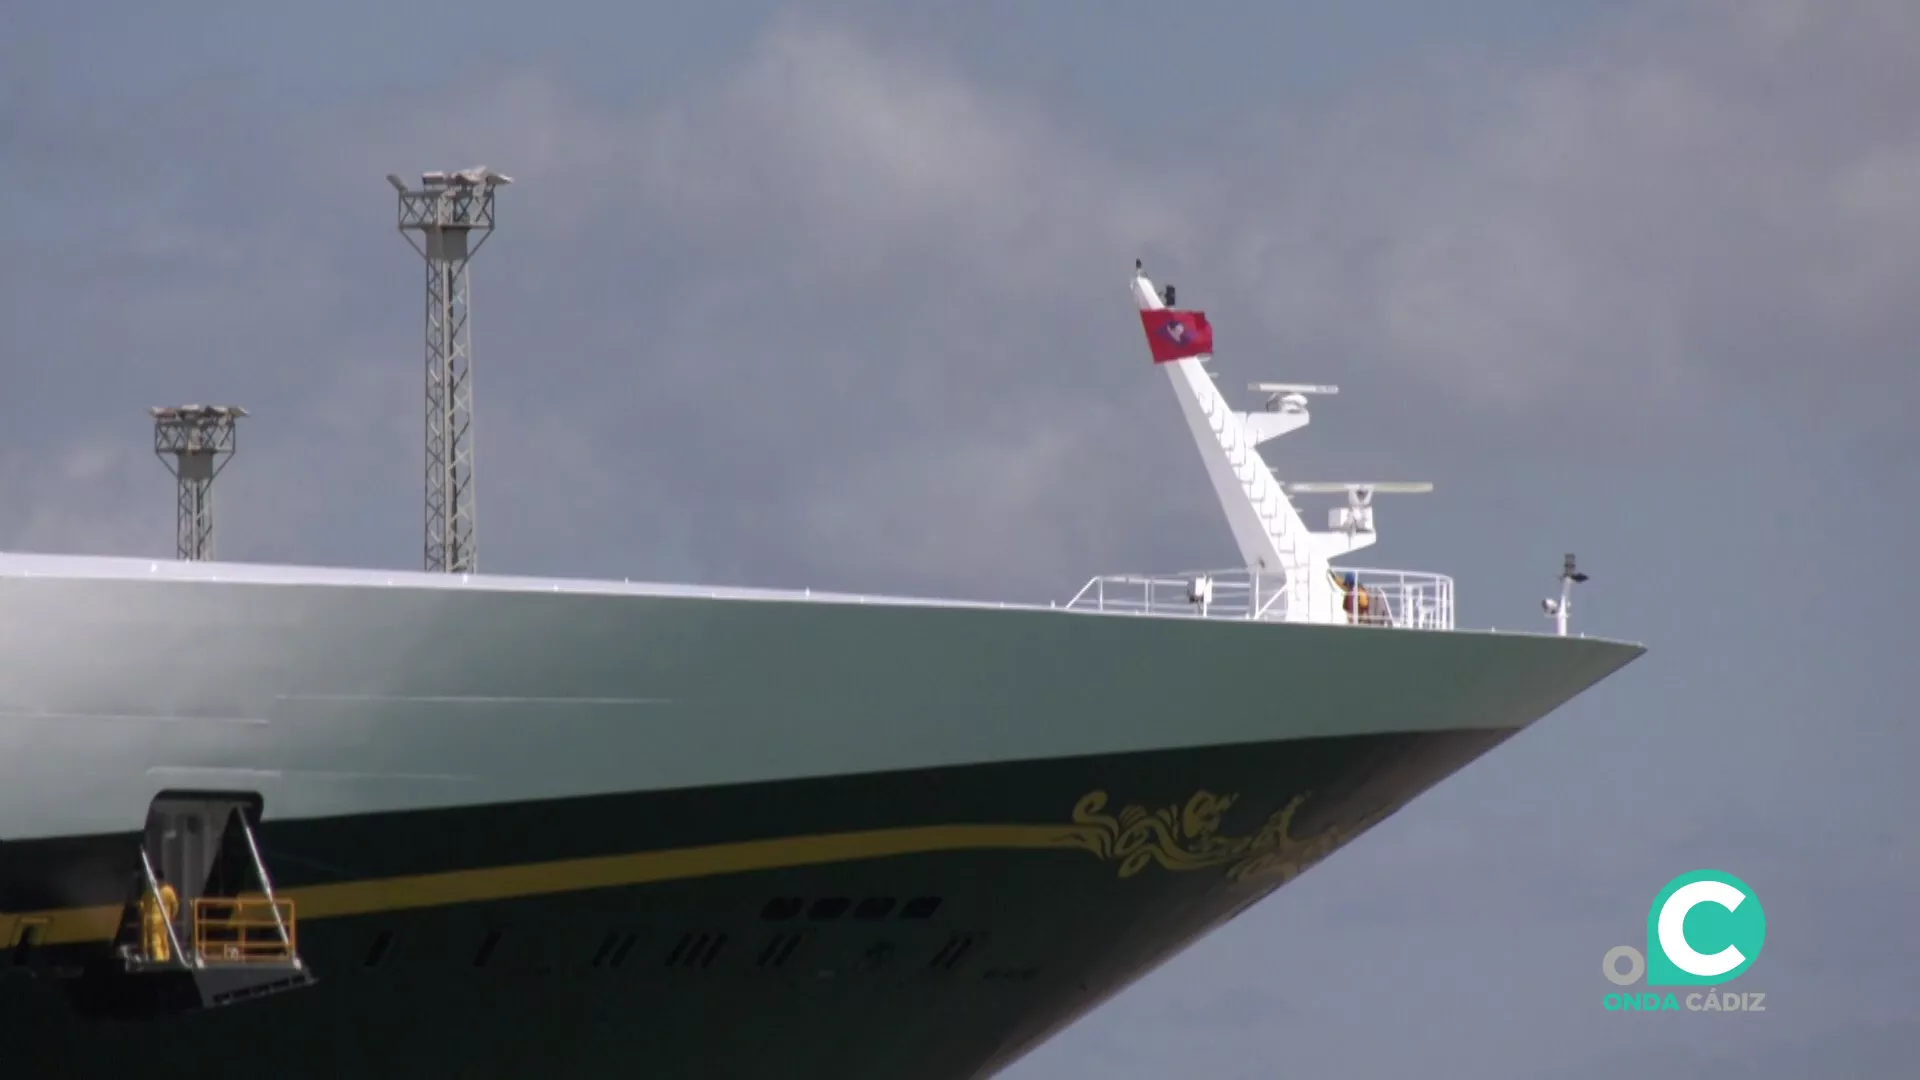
1400,598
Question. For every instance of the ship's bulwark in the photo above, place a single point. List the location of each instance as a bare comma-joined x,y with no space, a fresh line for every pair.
927,923
334,697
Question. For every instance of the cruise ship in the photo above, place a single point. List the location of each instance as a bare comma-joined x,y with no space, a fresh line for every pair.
264,820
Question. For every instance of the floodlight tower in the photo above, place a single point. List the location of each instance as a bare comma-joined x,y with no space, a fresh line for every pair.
199,439
453,215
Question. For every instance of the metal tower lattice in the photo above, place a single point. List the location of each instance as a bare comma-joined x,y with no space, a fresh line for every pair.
452,213
199,440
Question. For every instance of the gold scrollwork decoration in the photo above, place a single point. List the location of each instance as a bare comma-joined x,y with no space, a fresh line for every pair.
1189,838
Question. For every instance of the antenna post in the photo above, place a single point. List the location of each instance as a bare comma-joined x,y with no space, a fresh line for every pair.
1569,577
195,442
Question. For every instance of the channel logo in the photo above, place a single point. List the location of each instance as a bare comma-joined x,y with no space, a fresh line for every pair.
1705,928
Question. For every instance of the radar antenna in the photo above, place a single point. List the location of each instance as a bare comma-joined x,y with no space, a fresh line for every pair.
453,215
1289,397
1569,577
199,440
1357,515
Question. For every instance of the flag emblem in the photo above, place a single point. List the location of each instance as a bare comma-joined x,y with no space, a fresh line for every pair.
1176,335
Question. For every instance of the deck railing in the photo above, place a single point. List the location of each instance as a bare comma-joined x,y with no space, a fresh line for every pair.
1399,598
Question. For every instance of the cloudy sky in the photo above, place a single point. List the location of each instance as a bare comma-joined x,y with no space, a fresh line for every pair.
833,294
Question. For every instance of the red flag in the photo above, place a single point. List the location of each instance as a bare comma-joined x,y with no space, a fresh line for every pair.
1176,335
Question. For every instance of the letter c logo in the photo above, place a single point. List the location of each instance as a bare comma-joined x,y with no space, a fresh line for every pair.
1673,934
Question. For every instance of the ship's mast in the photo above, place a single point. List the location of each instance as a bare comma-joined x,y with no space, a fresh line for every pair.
1287,560
452,213
195,442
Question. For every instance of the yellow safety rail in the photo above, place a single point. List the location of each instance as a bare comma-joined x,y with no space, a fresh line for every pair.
243,930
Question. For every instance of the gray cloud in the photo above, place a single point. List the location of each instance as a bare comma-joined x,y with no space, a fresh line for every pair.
785,271
1705,202
850,244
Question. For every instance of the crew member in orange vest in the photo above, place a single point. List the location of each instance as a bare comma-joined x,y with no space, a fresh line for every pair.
155,916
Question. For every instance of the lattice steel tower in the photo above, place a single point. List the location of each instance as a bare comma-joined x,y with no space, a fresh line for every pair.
453,215
200,439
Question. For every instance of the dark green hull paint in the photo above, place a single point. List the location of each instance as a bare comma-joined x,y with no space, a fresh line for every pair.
694,977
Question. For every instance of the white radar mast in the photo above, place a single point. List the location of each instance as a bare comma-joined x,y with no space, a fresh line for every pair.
1285,557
